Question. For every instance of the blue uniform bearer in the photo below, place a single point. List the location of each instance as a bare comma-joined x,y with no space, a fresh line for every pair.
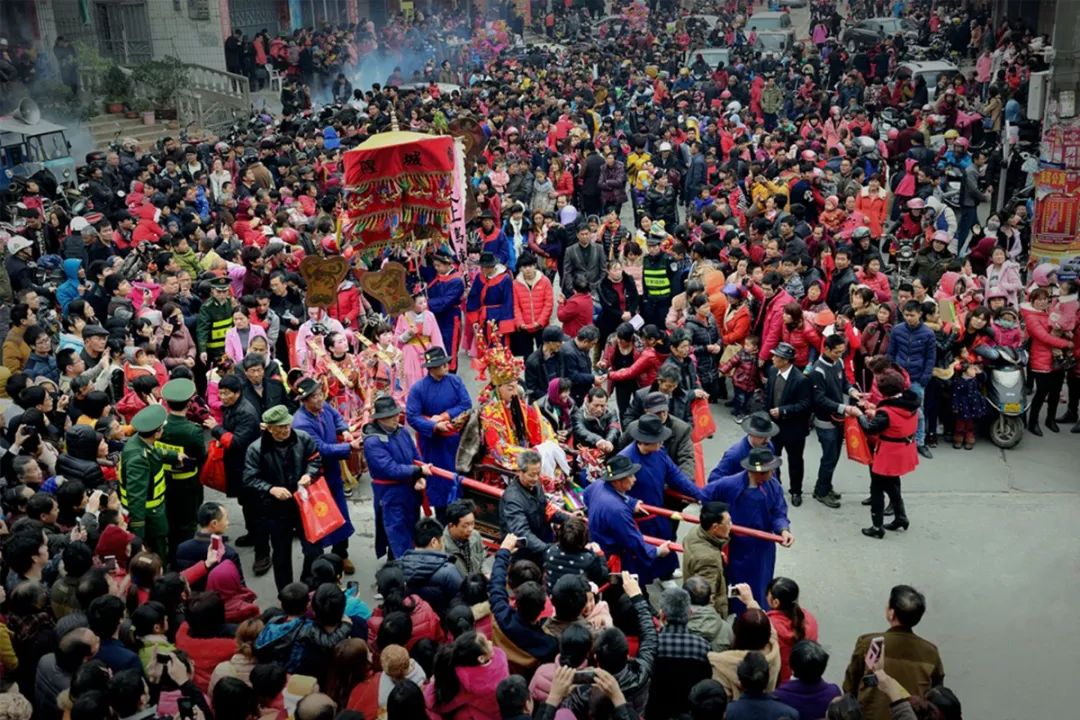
756,500
397,482
657,473
436,410
758,428
612,526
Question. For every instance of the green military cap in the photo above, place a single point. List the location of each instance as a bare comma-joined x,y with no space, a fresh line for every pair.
220,283
277,415
149,419
178,390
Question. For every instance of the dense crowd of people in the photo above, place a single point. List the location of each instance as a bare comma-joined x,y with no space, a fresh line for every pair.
656,238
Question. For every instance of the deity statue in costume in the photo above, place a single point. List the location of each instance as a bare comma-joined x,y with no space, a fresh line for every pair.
506,424
341,372
383,363
417,331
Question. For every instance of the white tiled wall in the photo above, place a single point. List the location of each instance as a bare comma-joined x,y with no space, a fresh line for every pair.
198,42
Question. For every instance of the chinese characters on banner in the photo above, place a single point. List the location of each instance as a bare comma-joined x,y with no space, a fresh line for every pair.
1056,232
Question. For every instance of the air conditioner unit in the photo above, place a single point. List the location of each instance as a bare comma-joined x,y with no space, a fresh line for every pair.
1038,87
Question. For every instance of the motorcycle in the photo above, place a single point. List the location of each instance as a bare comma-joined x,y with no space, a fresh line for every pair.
903,259
1005,394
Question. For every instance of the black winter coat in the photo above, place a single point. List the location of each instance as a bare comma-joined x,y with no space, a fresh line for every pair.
281,464
432,575
610,310
242,420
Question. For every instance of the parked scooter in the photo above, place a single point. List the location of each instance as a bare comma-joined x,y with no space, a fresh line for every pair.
1005,394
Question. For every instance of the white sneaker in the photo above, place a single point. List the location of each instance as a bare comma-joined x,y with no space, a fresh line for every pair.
677,574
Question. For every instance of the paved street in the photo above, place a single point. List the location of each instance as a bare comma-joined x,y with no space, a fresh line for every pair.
992,545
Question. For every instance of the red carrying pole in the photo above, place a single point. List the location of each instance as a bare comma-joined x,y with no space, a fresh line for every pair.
664,512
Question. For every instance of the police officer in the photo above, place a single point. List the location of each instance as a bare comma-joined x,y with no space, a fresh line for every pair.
214,321
660,278
142,479
183,491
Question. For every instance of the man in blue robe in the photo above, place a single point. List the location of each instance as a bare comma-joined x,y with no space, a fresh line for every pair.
445,290
396,480
758,428
436,410
755,499
491,296
324,424
658,472
494,240
612,526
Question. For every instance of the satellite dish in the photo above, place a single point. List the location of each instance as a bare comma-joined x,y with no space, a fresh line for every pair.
28,111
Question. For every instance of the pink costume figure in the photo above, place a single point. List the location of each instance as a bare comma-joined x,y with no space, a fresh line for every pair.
308,330
417,331
382,361
341,373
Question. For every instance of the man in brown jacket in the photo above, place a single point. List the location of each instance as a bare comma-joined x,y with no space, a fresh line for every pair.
911,660
703,551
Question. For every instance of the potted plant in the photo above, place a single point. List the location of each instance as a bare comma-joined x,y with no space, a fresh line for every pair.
162,79
116,88
145,108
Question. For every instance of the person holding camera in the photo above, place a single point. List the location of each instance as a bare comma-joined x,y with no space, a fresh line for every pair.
914,662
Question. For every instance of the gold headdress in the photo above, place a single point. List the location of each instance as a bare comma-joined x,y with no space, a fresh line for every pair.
496,359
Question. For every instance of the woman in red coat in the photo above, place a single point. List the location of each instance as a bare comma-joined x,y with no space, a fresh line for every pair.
800,334
872,277
893,422
1048,381
648,363
791,622
736,325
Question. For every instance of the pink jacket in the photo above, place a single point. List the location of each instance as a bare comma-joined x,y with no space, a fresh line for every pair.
1063,312
476,698
879,283
240,602
540,685
234,349
1008,337
1007,279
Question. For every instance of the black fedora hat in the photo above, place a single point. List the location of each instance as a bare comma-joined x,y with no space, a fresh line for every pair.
619,467
385,407
760,425
760,460
436,357
306,387
649,429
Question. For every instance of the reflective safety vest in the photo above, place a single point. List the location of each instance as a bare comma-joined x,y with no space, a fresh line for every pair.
218,330
155,494
656,277
185,470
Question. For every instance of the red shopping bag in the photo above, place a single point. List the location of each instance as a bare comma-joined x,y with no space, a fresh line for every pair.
318,511
858,449
704,425
213,470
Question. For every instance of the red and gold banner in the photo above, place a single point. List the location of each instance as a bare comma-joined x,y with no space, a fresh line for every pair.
1056,230
399,185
